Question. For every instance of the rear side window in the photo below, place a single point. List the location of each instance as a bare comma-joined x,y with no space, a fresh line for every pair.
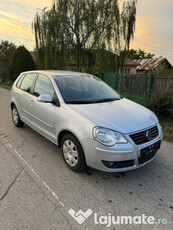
43,86
27,82
19,81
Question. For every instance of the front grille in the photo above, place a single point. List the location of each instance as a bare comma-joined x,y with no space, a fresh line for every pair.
140,138
118,164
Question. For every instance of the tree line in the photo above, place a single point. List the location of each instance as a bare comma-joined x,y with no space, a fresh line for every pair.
73,32
14,60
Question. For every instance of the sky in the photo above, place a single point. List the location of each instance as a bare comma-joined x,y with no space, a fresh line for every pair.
153,33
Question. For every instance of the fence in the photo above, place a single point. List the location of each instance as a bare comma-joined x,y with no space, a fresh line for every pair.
138,88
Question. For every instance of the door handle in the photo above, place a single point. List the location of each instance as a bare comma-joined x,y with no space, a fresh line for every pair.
31,101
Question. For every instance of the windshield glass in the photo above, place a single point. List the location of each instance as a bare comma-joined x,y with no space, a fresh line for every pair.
84,89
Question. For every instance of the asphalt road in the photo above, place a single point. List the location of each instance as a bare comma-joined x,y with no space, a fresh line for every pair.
37,189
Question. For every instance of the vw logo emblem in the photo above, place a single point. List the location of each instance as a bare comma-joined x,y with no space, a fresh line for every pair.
148,135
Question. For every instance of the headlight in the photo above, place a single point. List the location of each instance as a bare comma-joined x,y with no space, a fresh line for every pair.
108,137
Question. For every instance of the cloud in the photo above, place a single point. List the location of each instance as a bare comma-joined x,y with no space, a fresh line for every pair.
34,3
154,27
15,21
8,15
16,17
10,22
13,27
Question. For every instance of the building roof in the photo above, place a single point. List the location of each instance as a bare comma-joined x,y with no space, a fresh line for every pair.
146,64
130,63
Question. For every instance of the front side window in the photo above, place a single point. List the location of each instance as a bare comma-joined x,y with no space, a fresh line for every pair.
84,89
43,86
27,82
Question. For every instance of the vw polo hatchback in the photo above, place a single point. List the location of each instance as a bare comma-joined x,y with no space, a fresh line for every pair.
91,123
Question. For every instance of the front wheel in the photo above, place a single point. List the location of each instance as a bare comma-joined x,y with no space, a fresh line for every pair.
73,153
15,117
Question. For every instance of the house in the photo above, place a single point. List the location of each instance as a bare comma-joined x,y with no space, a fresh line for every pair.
130,67
152,64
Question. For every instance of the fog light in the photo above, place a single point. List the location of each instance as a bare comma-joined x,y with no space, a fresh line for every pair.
118,164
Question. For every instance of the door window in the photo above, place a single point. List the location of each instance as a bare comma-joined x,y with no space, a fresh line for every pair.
27,82
19,81
43,86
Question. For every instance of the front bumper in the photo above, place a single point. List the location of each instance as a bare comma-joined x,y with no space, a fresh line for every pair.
125,156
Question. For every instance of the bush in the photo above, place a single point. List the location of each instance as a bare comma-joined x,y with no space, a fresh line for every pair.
6,51
160,103
20,61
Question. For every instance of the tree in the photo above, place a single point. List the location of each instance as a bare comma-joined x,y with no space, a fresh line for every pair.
137,54
21,61
71,27
6,50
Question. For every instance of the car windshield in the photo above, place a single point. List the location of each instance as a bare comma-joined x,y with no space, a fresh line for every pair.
84,89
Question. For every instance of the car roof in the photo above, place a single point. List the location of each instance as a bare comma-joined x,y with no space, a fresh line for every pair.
56,72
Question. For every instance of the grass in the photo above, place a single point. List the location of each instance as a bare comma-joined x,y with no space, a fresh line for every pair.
5,85
167,125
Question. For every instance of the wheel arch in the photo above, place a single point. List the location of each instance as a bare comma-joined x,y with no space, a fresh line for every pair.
12,104
82,153
62,134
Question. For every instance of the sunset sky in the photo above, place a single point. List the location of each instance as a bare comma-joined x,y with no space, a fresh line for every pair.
154,24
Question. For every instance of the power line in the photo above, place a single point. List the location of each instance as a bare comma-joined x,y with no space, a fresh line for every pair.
155,47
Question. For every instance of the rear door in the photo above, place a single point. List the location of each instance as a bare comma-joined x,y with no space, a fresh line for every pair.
25,97
43,114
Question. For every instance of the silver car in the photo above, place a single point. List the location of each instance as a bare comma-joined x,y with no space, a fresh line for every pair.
92,124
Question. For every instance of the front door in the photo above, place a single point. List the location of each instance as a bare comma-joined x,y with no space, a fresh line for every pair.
43,114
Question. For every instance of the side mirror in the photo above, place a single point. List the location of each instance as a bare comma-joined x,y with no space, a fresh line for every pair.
45,98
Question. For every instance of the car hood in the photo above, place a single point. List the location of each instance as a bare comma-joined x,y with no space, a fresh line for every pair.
122,115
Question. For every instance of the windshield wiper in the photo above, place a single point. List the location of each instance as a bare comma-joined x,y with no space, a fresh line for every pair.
91,102
107,100
78,102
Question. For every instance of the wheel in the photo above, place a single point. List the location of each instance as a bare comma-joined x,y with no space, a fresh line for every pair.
73,153
15,117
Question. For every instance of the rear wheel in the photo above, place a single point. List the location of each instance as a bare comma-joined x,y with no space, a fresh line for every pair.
73,153
16,118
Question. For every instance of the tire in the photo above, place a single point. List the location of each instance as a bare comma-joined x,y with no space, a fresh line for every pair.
72,153
16,118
